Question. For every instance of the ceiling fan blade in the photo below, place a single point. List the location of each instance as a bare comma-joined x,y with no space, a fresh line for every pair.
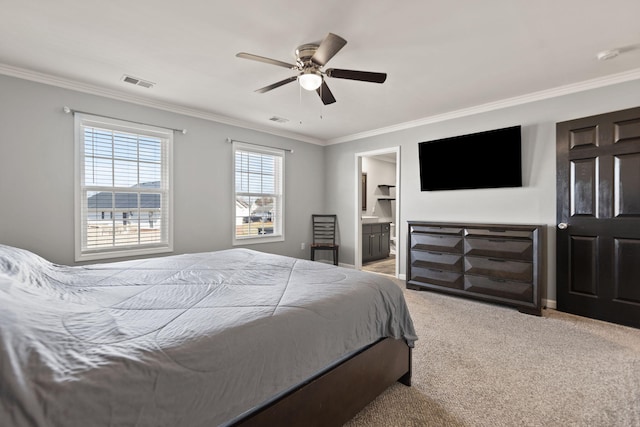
325,94
329,46
265,60
277,84
364,76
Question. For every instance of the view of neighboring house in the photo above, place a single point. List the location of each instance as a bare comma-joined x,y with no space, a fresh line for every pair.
134,207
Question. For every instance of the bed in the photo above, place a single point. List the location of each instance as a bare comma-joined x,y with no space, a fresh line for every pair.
234,337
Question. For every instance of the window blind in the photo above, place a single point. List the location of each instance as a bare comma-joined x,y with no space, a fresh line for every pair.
124,188
258,193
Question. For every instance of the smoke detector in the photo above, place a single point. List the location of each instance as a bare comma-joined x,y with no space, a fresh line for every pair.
607,54
612,53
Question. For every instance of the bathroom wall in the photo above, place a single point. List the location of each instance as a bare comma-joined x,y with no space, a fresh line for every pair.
379,172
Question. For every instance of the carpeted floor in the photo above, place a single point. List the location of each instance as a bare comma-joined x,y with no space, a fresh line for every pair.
479,364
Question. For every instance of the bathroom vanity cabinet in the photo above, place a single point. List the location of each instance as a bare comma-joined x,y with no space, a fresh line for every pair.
376,241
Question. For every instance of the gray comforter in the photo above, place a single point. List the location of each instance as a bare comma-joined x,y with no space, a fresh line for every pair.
186,340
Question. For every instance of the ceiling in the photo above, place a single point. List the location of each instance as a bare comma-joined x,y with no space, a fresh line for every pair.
441,57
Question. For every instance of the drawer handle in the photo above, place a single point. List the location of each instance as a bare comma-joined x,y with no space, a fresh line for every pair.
497,260
434,253
435,269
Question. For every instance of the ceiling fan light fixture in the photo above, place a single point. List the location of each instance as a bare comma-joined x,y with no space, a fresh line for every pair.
310,60
310,79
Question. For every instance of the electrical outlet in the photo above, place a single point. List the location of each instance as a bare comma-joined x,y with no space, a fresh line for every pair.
302,246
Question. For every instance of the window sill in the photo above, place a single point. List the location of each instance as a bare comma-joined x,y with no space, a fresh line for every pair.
256,240
94,256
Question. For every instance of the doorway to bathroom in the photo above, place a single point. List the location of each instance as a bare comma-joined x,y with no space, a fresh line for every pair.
377,211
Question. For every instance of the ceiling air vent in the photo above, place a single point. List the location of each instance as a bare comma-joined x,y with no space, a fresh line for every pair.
137,82
278,119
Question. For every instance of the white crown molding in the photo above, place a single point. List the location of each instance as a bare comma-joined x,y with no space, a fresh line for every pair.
64,83
491,106
174,108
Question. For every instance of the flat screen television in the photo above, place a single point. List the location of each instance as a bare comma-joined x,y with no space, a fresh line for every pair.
490,159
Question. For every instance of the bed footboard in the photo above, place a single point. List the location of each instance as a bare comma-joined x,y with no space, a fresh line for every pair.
337,395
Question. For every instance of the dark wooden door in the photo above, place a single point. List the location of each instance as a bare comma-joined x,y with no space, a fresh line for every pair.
598,213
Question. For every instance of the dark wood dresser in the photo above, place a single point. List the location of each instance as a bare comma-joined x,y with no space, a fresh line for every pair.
499,263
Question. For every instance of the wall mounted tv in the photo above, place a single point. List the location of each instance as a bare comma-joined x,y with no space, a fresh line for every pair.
490,159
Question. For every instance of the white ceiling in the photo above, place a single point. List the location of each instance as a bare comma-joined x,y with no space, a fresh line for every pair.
441,57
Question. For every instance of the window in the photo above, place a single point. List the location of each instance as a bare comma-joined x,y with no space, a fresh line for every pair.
258,194
123,188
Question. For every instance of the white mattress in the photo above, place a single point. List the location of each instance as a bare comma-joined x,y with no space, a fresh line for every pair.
184,340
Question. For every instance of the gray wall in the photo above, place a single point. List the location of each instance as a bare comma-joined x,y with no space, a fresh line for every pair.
534,203
37,173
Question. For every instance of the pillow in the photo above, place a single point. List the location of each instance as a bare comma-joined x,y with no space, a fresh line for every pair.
24,266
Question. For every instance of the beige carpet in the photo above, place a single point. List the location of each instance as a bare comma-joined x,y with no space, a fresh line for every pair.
479,364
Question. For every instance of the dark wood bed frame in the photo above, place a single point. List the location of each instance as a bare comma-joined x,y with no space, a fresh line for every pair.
336,395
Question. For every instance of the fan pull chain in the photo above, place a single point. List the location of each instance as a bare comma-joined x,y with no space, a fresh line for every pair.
300,99
322,103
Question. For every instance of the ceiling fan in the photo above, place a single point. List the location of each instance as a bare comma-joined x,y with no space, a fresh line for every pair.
310,59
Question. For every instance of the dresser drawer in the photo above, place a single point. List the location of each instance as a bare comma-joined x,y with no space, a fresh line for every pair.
437,260
499,232
499,248
437,242
432,276
435,229
499,268
499,288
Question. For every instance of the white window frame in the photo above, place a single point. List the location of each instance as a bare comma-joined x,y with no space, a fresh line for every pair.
82,253
278,234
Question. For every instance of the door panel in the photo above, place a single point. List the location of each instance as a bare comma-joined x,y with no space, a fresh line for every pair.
627,178
627,262
628,130
598,197
584,137
583,274
583,186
